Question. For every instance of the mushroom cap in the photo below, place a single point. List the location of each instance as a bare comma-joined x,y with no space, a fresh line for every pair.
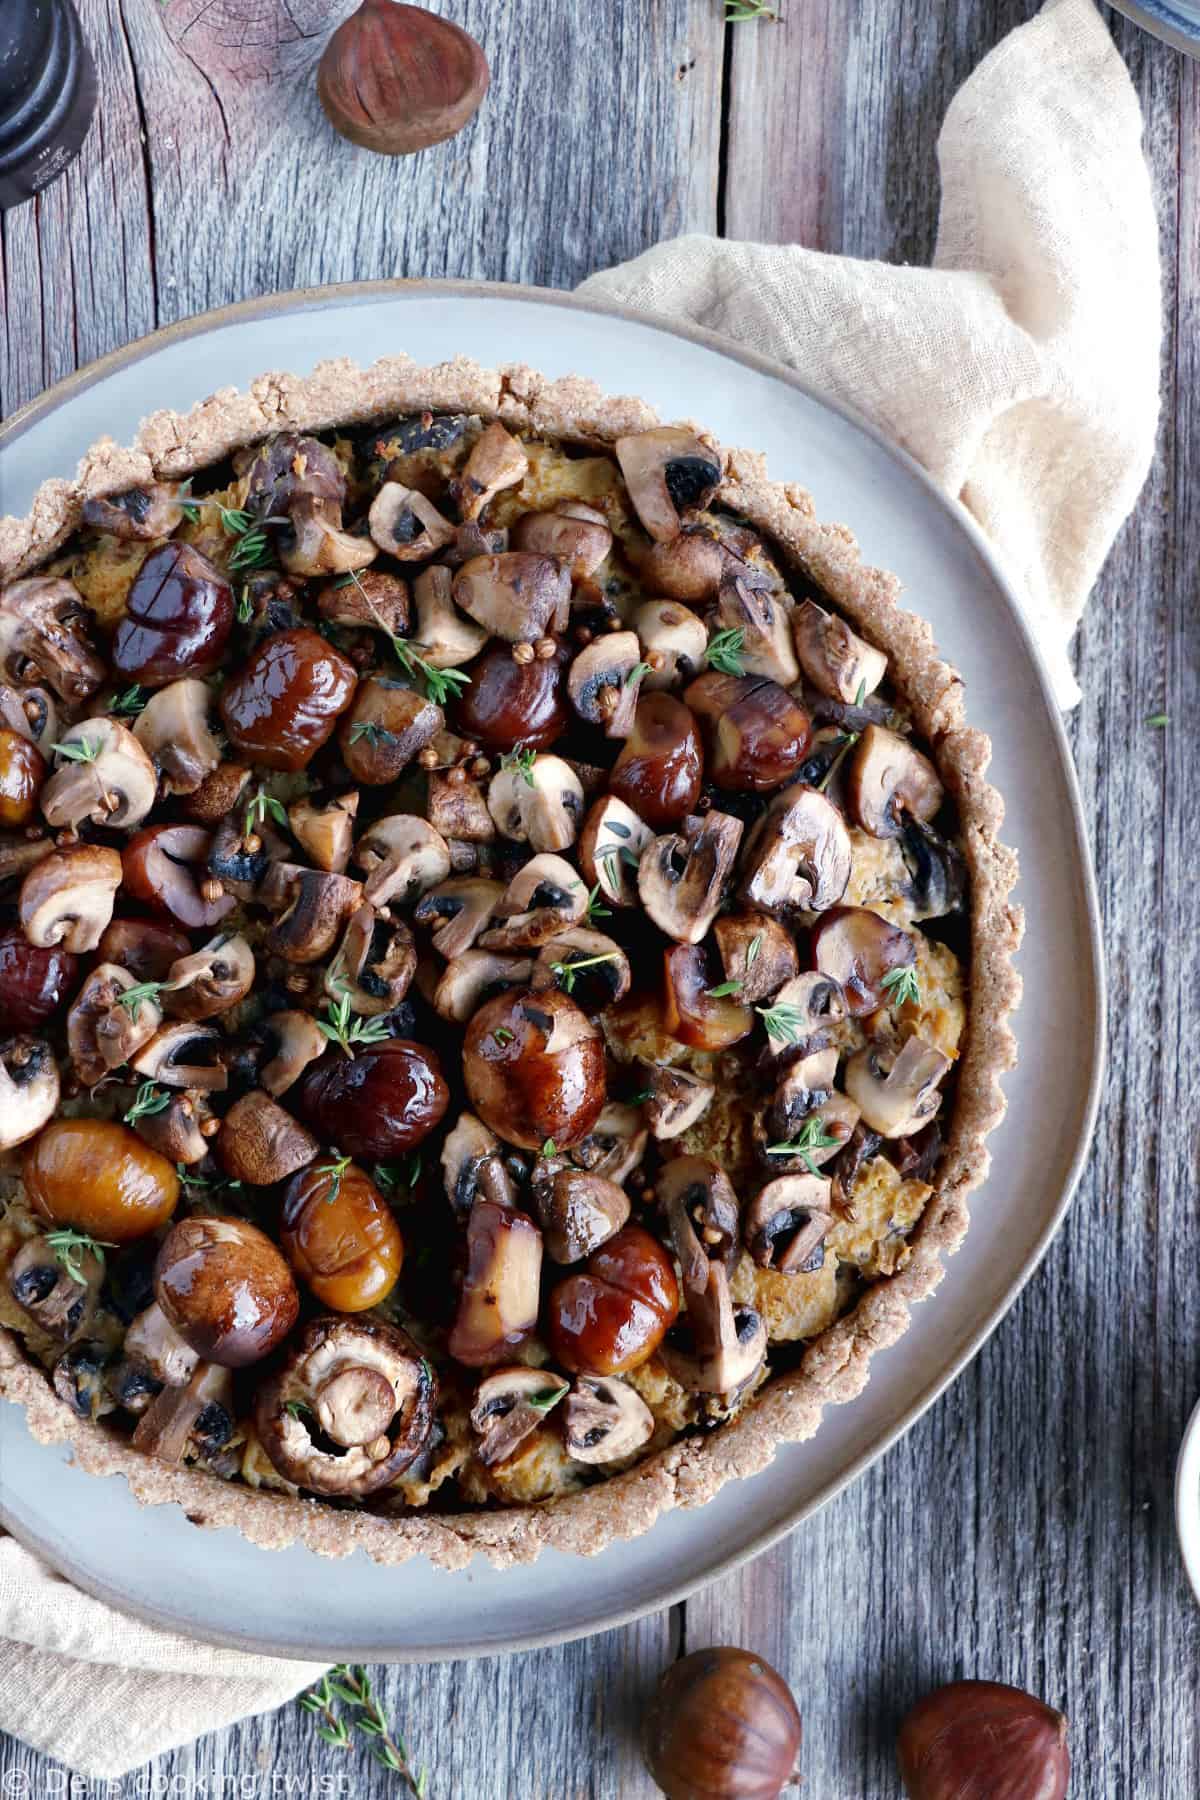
677,1100
719,1348
403,857
757,952
835,659
447,638
325,832
604,680
225,1288
315,905
800,856
682,876
29,1089
115,786
102,1033
163,866
750,607
615,1145
578,1211
538,803
315,544
67,897
405,522
516,595
260,1143
375,962
888,778
211,979
509,1405
787,1222
589,966
497,460
544,898
580,539
459,909
533,1065
671,631
605,1420
173,728
897,1096
43,627
666,469
701,1210
473,976
186,1055
610,847
296,1042
387,725
692,1013
472,1165
32,712
858,949
140,514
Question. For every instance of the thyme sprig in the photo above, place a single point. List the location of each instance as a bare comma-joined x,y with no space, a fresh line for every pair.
595,909
567,971
811,1136
148,1099
735,986
261,807
373,732
253,548
522,760
85,751
350,1683
737,12
346,1029
724,651
439,684
784,1022
902,985
335,1170
128,704
133,997
70,1247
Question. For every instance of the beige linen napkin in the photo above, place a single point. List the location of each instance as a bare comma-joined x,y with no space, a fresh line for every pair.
1022,369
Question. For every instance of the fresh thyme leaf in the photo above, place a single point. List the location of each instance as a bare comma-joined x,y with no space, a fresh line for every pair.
374,733
414,1169
547,1398
522,761
567,971
726,988
439,684
70,1247
902,985
1158,719
298,1410
752,953
847,744
785,1023
245,606
128,704
351,1684
502,1035
549,1148
132,999
811,1136
860,692
264,806
724,651
636,673
595,909
738,11
148,1099
641,1097
345,1029
189,507
85,751
336,1170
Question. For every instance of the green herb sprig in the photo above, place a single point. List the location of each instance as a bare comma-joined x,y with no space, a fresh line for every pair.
347,1030
724,651
439,684
902,985
335,1170
374,733
148,1099
85,751
70,1247
595,908
738,12
811,1136
133,998
350,1683
253,548
128,704
263,806
522,761
567,971
785,1023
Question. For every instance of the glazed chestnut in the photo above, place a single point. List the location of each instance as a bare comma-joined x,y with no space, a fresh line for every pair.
722,1726
33,983
99,1177
534,1068
512,703
858,949
755,733
660,767
225,1289
615,1313
164,866
143,946
383,1101
340,1236
693,1014
22,772
179,616
283,705
981,1740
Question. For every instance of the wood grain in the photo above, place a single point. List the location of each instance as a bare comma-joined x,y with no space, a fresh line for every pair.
1023,1529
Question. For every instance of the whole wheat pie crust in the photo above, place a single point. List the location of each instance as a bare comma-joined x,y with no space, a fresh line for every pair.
689,1453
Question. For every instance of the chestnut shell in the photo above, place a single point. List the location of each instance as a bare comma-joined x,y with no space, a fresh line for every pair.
722,1726
983,1740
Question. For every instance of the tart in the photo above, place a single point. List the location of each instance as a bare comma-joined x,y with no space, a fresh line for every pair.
505,962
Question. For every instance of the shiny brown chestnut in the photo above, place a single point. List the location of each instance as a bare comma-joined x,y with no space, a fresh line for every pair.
383,1101
163,866
178,618
722,1726
756,734
146,947
660,768
22,773
510,703
340,1236
33,983
225,1289
982,1740
533,1063
616,1311
283,705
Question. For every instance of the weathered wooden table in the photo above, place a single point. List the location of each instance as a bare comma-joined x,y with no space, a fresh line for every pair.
1023,1529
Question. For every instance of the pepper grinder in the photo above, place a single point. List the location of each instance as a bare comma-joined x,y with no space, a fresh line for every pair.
47,95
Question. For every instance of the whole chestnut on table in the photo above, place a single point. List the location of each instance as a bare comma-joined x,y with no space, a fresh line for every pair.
616,1311
33,983
982,1740
534,1068
722,1726
756,734
179,616
659,770
340,1236
284,703
22,773
226,1289
97,1176
511,703
384,1100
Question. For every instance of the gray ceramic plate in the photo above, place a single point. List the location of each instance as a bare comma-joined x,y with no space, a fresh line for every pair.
213,1584
1176,22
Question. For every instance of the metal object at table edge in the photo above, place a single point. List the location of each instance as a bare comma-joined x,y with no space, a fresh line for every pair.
330,294
1172,24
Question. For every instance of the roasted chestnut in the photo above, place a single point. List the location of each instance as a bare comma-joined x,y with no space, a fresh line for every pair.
383,1101
534,1068
340,1236
659,770
510,703
97,1176
981,1740
283,705
722,1726
22,772
178,617
693,1013
615,1313
163,866
33,983
225,1289
756,734
143,946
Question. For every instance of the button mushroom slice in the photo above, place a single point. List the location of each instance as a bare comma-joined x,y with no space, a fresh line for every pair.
578,1211
173,729
766,645
176,1131
212,979
575,535
43,629
312,905
373,600
799,857
169,864
808,1122
509,1405
325,832
937,871
139,513
154,1346
888,780
447,638
605,680
375,963
682,876
102,774
787,1222
589,966
406,524
899,1096
673,640
457,809
537,801
403,857
667,470
458,910
67,897
757,953
286,466
701,1210
295,1042
103,1028
59,1297
32,713
615,1145
470,979
677,1100
473,1166
859,949
261,1144
835,660
384,729
314,543
805,1008
517,596
610,848
806,1082
184,1056
718,1348
697,1010
498,1308
198,1417
605,1420
352,1406
544,898
79,1379
497,461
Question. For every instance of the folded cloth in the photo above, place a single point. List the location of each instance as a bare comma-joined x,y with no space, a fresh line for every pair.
1022,368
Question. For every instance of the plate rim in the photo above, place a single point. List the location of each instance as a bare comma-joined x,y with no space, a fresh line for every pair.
319,298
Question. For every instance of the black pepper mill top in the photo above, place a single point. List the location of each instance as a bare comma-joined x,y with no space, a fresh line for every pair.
47,95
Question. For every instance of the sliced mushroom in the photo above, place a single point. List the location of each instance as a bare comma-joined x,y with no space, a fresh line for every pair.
615,1145
212,979
102,1031
154,1346
284,468
32,713
140,513
899,1096
766,645
682,877
43,634
757,953
605,680
544,898
937,871
835,660
184,1056
605,1420
667,470
459,910
674,640
808,1115
698,1010
516,595
315,544
509,1405
810,1003
172,862
889,780
688,567
578,1211
176,1131
573,534
375,962
261,1144
315,905
295,1043
787,1223
60,1299
589,966
403,858
67,897
173,729
718,1348
701,1210
405,522
457,809
447,638
374,601
239,868
677,1100
473,977
473,1166
497,461
498,1308
79,1379
198,1417
610,849
859,949
537,801
800,855
325,832
103,774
